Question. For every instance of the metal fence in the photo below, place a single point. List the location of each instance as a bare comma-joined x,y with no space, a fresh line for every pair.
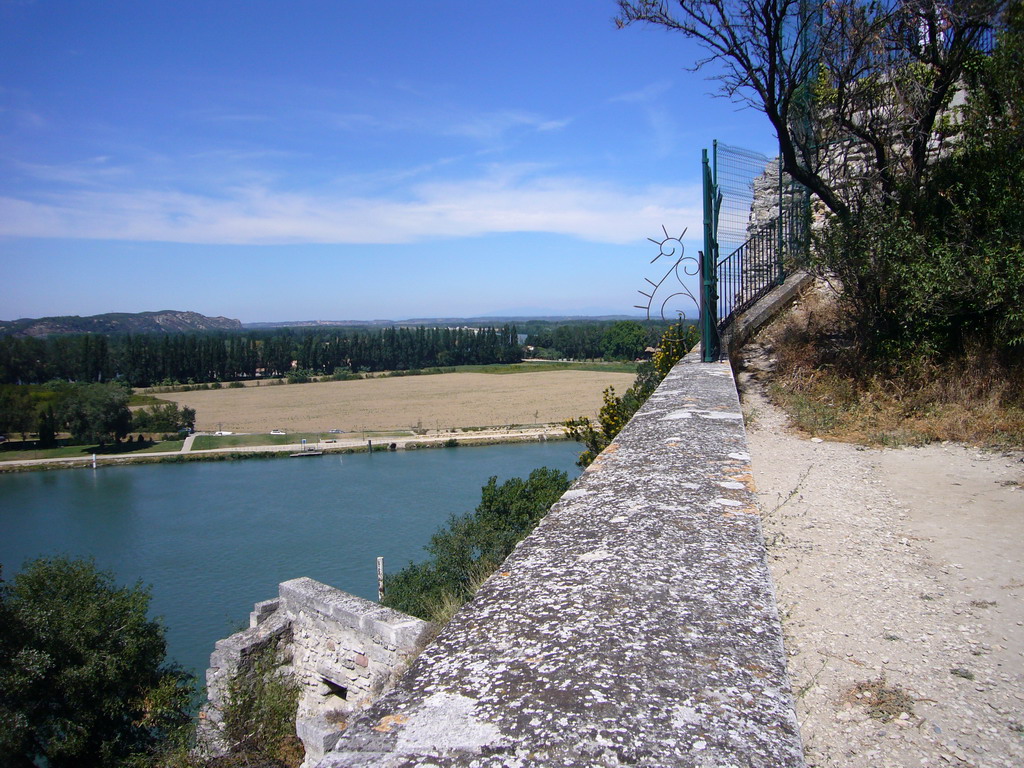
760,219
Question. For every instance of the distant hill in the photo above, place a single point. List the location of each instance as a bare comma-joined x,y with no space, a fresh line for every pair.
164,321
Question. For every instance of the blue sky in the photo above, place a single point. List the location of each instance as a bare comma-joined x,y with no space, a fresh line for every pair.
300,159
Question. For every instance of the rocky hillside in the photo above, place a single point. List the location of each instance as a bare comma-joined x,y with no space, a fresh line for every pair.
164,321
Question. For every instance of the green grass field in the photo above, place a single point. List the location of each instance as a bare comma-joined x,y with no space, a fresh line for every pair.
139,399
12,451
210,442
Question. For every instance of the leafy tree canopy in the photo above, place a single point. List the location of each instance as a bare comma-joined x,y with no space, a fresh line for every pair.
83,678
624,341
921,232
95,412
165,417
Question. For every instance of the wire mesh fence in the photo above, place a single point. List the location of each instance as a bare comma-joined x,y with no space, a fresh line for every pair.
744,177
762,228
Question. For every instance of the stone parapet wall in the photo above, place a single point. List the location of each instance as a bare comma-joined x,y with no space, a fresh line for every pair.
637,624
341,649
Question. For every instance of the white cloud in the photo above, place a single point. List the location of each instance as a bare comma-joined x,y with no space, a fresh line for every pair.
502,200
93,172
648,93
493,125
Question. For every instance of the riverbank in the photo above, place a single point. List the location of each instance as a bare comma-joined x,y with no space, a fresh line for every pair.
341,445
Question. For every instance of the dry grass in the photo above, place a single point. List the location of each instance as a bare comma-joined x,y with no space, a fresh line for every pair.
827,391
883,702
430,402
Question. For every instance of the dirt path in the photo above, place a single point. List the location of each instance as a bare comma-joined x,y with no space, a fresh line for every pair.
901,570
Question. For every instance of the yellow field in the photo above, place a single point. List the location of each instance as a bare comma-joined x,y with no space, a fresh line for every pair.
440,401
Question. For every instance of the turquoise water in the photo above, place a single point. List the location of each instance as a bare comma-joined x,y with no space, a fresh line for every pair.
214,538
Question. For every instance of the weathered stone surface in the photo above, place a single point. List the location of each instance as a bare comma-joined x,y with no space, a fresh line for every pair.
262,610
342,650
229,656
636,626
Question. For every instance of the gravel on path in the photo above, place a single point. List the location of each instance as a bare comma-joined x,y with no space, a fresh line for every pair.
900,580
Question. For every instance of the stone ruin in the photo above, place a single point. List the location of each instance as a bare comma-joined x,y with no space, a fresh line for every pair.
342,650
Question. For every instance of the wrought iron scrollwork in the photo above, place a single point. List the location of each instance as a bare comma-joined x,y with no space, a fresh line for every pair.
665,290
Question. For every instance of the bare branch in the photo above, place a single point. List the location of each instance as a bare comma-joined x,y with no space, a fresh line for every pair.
853,88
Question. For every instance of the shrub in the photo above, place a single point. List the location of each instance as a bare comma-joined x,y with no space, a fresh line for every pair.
83,676
471,546
259,716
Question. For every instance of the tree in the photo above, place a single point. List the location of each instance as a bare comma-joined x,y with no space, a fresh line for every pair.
625,340
855,89
95,412
83,678
47,427
17,410
941,275
865,98
164,417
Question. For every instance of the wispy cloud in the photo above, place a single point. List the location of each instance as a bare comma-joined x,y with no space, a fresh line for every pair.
650,102
491,126
21,118
503,200
96,171
648,93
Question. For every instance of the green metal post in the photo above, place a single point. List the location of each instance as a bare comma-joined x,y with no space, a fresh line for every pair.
708,262
780,271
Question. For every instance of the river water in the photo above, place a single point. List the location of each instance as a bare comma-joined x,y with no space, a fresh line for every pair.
212,538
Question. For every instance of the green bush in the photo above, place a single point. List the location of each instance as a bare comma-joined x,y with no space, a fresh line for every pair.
935,270
471,546
83,676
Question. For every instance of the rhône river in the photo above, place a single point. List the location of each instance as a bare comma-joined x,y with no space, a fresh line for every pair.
212,538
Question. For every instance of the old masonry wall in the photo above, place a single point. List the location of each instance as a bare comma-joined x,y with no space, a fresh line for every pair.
342,650
637,625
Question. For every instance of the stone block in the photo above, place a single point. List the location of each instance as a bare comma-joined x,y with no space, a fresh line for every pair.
318,736
262,610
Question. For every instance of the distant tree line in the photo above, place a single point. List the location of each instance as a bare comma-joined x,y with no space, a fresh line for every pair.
145,360
620,340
